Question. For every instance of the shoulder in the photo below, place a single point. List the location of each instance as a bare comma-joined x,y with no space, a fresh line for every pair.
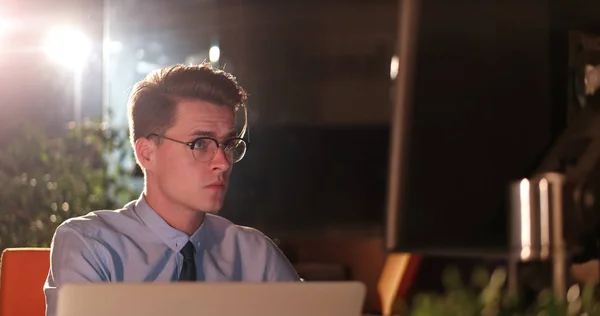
254,246
99,222
90,237
224,229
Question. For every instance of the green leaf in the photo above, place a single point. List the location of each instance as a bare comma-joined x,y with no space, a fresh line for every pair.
68,168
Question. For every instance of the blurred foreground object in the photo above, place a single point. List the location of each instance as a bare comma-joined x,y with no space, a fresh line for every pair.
23,273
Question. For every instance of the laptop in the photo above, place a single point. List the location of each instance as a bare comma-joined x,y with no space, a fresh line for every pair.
210,298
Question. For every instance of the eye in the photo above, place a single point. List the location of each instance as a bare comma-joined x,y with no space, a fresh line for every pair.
232,144
202,143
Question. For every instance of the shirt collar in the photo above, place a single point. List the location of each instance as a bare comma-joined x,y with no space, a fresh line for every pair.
172,237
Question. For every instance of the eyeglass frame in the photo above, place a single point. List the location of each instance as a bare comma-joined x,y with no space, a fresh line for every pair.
219,144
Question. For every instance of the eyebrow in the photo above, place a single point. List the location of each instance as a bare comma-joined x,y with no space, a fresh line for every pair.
202,133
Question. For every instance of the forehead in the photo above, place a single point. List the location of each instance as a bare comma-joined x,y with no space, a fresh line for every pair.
192,115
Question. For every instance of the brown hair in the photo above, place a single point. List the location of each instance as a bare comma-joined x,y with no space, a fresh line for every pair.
151,107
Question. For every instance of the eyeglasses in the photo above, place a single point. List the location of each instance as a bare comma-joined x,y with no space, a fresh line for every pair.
204,149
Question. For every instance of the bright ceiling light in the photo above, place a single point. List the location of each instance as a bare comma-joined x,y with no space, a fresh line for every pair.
214,54
68,47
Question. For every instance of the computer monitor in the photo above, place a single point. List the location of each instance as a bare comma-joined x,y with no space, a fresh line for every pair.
481,96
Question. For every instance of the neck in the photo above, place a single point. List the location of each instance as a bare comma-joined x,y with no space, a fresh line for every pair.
177,215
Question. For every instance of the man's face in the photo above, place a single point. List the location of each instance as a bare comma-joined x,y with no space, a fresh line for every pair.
181,178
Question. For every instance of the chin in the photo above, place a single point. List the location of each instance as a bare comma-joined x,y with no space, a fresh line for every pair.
211,202
210,207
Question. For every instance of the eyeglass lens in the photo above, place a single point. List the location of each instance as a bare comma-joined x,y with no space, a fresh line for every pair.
205,149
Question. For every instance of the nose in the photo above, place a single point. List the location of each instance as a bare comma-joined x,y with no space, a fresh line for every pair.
220,161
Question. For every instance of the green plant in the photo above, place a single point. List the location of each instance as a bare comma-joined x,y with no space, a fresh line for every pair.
48,179
487,295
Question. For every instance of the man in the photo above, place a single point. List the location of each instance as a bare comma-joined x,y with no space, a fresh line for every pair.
182,127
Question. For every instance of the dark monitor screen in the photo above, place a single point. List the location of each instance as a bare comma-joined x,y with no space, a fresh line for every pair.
479,117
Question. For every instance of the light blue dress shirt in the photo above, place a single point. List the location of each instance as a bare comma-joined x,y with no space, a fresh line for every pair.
135,244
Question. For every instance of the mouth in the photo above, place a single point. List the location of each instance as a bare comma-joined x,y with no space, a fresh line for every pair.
217,186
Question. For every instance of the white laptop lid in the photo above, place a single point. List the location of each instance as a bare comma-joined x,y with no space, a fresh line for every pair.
207,299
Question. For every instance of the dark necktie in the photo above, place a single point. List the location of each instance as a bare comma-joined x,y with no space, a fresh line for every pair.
188,270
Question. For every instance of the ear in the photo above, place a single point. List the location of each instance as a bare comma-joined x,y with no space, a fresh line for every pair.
145,153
